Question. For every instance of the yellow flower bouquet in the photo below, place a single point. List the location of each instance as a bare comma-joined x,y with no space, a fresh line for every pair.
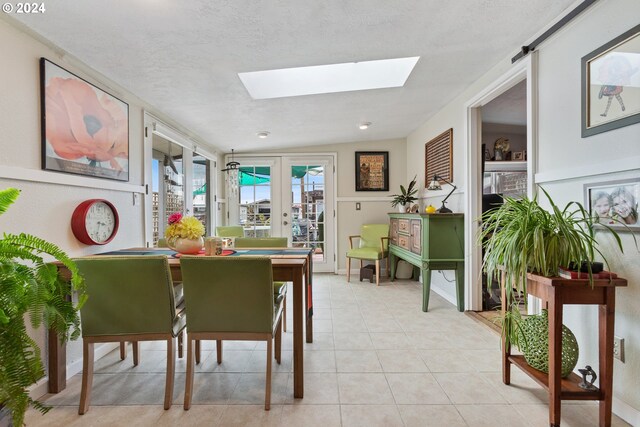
184,234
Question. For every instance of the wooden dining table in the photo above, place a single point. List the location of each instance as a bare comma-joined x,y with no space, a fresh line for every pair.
293,265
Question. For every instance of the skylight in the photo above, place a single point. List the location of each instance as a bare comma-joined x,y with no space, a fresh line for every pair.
386,73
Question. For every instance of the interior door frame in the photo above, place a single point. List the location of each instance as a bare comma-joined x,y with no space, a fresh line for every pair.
526,68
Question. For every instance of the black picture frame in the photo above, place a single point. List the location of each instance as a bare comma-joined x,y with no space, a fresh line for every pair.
85,130
606,73
372,170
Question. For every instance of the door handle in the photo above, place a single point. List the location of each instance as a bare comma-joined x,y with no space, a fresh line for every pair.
285,223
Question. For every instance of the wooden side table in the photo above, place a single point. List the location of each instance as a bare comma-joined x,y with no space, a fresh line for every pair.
555,292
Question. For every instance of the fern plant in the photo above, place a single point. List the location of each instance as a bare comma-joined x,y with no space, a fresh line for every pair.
31,288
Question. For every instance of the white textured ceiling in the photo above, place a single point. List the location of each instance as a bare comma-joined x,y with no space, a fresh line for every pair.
183,57
510,108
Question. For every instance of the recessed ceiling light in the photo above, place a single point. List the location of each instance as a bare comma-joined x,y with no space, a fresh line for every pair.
332,78
365,125
263,134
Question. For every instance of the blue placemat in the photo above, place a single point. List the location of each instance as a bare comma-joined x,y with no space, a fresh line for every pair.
140,252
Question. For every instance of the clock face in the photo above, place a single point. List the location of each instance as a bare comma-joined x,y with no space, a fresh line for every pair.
100,222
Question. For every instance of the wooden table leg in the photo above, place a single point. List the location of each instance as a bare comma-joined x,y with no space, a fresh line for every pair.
393,262
298,369
308,286
606,314
555,357
57,363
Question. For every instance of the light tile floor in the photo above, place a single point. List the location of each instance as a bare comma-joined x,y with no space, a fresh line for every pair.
376,360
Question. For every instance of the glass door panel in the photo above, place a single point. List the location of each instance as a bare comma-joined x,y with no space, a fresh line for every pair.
305,203
167,183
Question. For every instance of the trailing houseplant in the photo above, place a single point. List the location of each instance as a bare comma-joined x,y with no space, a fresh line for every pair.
520,236
30,287
406,196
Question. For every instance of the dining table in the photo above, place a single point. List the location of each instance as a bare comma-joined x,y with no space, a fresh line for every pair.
293,265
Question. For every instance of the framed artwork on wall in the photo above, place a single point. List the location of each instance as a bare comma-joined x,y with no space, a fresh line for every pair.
372,171
438,157
85,131
611,84
614,203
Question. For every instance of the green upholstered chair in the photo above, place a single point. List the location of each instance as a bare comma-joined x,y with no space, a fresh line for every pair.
373,246
230,298
279,288
230,231
130,298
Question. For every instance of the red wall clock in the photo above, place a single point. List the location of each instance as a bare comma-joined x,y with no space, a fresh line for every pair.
95,222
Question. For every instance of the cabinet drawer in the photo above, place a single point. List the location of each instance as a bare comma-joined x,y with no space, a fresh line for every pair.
403,225
403,241
416,235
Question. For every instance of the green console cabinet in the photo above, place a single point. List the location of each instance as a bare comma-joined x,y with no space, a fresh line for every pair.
429,242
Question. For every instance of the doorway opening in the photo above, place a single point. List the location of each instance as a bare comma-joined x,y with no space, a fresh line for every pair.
501,160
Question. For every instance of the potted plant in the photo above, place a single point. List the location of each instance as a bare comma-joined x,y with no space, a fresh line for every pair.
30,287
521,236
406,196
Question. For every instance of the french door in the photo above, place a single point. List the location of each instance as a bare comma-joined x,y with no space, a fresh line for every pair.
308,207
287,196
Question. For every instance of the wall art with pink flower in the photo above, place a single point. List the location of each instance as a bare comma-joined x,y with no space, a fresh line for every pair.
85,131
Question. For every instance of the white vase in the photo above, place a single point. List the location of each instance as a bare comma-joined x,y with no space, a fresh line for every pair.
186,246
401,208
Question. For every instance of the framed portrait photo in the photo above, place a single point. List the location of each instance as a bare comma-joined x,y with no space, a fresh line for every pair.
611,84
372,171
85,130
614,203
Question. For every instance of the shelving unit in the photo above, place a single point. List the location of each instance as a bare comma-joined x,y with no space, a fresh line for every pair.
555,292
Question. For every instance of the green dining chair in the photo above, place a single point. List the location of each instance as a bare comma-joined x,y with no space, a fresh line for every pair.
130,298
373,246
230,231
230,298
279,288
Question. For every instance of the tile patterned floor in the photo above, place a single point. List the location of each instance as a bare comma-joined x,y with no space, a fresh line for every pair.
376,360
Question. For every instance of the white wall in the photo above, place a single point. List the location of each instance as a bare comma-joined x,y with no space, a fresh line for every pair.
566,161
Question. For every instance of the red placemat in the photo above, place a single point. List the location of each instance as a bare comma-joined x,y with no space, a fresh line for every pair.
225,252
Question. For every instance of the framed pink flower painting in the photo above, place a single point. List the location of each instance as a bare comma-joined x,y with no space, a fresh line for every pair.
85,131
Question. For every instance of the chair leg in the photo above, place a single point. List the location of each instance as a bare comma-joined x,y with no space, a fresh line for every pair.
377,272
278,343
171,369
197,351
388,267
87,377
123,350
284,313
136,352
267,392
181,344
348,269
219,351
188,387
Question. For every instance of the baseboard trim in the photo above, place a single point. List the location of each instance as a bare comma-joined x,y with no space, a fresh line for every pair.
626,412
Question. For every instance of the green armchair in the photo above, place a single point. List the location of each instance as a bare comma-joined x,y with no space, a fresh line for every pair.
130,298
230,298
373,246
